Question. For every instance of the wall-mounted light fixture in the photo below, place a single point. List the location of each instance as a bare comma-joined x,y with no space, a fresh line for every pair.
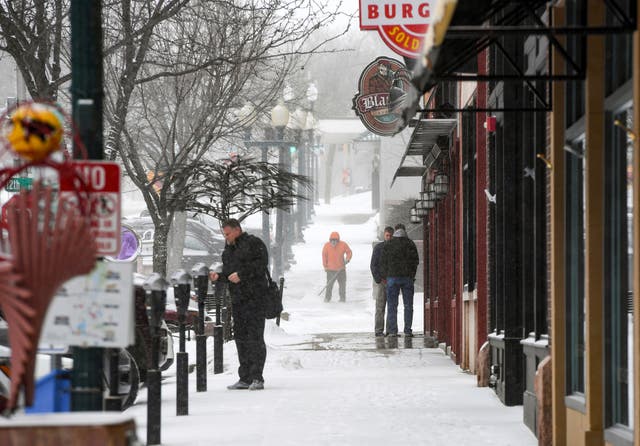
414,218
441,185
425,204
428,196
422,212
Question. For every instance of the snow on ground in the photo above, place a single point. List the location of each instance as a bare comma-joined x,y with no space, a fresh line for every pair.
328,380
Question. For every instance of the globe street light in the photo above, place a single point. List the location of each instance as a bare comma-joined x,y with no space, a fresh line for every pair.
279,116
279,120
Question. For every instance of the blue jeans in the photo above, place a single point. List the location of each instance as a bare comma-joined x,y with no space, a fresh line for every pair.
394,285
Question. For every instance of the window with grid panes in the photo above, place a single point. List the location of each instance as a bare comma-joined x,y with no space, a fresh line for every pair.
574,268
619,271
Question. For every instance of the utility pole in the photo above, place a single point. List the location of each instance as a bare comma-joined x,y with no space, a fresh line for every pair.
86,96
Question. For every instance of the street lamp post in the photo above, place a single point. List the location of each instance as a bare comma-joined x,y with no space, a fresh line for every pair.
309,156
302,170
296,223
279,120
316,172
312,97
87,93
288,221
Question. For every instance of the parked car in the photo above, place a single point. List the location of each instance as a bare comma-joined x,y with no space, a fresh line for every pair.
201,243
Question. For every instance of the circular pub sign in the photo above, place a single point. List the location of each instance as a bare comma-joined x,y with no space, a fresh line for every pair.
382,95
401,25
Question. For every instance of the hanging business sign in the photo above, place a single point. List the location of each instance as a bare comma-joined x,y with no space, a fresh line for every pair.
401,24
382,94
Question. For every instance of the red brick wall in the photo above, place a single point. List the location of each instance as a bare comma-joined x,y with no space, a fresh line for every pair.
482,215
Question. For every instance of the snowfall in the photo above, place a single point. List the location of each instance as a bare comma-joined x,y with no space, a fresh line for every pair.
328,380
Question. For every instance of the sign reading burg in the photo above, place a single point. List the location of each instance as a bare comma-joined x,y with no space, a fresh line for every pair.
381,97
401,24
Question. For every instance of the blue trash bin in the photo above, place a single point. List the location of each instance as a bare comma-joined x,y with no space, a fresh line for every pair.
53,393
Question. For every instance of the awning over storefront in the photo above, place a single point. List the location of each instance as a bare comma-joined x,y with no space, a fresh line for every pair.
466,28
426,143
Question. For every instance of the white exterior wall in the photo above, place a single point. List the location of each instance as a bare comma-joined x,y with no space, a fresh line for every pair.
392,149
351,152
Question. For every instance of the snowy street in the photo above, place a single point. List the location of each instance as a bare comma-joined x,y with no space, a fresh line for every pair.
328,380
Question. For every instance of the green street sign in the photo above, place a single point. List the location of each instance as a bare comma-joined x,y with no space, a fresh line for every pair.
18,183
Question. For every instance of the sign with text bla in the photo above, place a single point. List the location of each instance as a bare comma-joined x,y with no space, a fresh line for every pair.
382,95
103,182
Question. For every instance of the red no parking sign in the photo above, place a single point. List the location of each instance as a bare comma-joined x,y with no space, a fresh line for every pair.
103,181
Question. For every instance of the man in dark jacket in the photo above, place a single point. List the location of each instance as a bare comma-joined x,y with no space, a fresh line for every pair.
398,264
380,287
244,266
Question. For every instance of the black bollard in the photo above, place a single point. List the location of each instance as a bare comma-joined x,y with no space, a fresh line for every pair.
181,281
156,288
200,274
218,335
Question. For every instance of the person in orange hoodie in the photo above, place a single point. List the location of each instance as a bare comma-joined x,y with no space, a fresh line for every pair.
335,256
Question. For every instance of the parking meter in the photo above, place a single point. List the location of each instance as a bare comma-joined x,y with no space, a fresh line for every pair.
200,274
156,288
218,335
181,281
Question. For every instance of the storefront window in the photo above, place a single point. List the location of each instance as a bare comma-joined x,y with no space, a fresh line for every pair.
619,271
575,244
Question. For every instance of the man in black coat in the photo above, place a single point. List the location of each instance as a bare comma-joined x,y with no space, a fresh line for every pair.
380,288
398,264
244,266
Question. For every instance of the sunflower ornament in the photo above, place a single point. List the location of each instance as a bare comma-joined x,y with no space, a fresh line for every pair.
35,131
45,238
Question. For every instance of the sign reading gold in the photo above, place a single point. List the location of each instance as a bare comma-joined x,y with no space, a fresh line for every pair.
400,23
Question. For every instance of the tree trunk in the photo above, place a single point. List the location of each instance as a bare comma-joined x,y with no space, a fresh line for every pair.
175,244
160,239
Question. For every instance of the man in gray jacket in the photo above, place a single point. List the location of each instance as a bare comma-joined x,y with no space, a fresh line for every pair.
380,287
398,264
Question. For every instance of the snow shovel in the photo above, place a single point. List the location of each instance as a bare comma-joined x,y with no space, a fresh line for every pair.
330,281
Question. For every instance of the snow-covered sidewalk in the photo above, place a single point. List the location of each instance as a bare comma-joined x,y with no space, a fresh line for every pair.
329,381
